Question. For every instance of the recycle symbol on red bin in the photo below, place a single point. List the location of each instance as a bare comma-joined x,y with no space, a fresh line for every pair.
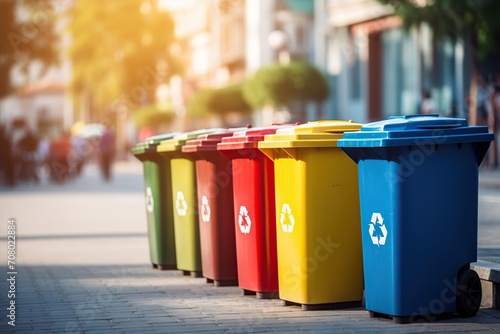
205,209
244,220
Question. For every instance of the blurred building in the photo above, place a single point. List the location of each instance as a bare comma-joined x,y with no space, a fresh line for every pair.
226,41
41,101
376,69
42,107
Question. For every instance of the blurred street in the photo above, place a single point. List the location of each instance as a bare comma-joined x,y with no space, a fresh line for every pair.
83,266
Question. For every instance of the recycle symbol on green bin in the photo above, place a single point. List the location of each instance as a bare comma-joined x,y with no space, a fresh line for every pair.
150,203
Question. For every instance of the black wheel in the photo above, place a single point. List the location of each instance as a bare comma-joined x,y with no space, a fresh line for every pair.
468,293
401,320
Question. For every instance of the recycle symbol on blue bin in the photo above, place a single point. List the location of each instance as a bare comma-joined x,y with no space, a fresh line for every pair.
377,230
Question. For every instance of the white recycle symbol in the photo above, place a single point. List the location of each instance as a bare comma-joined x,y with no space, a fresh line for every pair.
286,212
205,209
150,203
244,220
377,239
180,204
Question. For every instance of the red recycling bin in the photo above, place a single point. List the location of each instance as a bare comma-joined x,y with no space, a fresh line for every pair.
254,211
215,205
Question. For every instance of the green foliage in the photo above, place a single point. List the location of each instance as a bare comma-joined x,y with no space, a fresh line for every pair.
281,85
116,48
218,101
27,33
151,115
198,105
228,99
476,19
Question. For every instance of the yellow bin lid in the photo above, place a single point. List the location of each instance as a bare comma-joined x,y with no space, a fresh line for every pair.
312,134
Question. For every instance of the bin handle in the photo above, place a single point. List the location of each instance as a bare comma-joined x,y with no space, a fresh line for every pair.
440,126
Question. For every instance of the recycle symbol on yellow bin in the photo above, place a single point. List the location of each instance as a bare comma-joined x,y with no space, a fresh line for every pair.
180,204
286,218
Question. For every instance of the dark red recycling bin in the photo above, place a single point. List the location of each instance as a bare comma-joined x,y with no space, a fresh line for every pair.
215,204
254,211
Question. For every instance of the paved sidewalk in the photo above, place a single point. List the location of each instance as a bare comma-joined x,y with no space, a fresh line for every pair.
83,266
489,178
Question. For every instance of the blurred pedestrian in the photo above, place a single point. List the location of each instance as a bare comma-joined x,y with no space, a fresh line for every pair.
28,154
427,105
60,149
7,157
494,122
43,153
78,154
107,151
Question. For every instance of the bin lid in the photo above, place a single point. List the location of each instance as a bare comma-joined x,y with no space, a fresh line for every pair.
249,138
410,130
176,143
149,145
209,141
312,134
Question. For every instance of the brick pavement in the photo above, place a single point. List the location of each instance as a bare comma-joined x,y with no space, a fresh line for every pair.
83,267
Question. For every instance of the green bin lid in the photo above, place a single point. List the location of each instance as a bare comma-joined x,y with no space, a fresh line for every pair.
249,138
313,134
209,141
149,145
411,130
176,143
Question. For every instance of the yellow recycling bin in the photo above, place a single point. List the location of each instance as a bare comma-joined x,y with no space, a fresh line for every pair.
317,216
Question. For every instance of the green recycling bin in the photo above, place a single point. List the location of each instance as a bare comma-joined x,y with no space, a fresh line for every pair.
185,201
159,210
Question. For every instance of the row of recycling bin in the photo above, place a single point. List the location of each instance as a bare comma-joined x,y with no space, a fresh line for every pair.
323,212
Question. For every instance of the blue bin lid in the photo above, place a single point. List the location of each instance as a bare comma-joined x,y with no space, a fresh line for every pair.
411,130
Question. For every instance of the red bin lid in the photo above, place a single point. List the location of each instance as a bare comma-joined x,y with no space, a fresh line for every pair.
249,138
208,142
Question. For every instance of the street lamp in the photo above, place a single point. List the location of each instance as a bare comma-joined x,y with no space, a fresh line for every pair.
278,41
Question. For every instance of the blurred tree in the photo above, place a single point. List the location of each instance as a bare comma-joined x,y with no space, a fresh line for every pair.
220,101
475,20
228,99
281,85
151,115
121,51
198,104
27,34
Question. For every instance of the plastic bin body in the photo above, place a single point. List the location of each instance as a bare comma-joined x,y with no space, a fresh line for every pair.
418,179
158,200
317,215
254,210
215,208
185,202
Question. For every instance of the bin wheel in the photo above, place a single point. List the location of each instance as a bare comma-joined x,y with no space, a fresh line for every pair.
468,293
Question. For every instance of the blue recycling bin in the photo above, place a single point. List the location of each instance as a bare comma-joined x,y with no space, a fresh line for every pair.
418,182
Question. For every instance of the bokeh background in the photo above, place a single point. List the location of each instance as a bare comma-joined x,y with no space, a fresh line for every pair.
154,66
